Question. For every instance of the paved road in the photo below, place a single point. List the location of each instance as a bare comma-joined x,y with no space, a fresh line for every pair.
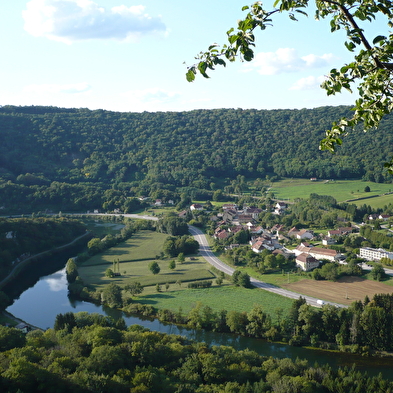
206,253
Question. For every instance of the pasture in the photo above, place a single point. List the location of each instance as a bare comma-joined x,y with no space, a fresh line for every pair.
225,297
341,190
134,256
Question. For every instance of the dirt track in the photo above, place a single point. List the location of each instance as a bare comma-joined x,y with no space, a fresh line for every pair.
345,291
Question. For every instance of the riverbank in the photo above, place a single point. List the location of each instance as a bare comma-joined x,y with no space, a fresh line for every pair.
14,321
18,268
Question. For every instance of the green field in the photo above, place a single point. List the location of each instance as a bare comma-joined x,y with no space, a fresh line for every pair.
134,255
226,297
341,190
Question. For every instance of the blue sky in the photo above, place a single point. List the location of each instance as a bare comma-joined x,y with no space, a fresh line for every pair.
128,56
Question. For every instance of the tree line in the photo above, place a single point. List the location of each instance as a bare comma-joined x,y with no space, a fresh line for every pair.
93,353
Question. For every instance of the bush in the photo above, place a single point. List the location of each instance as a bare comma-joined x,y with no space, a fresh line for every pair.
200,284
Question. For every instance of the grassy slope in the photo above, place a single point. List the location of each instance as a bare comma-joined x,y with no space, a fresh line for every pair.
342,190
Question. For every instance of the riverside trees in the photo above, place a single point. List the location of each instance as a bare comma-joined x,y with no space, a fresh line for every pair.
100,355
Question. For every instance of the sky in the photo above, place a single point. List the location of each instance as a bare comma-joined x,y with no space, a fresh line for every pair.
132,56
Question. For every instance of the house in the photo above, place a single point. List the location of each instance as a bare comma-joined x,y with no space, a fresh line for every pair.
327,241
229,215
253,211
340,231
283,238
306,262
229,206
244,219
383,217
277,228
313,179
262,242
183,214
373,216
158,202
221,234
304,234
293,232
196,206
280,206
318,252
237,228
374,254
255,230
261,245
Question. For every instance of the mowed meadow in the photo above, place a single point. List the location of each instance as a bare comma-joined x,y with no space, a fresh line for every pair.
341,190
136,253
134,256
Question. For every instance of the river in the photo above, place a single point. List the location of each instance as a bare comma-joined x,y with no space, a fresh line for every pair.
40,303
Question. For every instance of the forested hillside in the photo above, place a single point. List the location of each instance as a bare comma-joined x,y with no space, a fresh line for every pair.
79,159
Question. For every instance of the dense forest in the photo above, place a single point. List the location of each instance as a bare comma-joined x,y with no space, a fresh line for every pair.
77,159
92,353
22,237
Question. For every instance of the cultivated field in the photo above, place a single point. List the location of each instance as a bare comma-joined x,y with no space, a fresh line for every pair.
345,291
342,190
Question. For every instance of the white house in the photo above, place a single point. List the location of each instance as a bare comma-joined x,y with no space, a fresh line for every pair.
317,252
304,234
374,254
196,206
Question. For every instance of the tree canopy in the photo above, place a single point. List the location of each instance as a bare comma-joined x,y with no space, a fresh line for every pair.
370,72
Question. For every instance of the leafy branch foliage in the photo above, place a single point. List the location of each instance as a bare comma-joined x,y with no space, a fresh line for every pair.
370,71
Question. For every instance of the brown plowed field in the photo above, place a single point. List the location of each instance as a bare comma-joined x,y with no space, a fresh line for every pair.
344,291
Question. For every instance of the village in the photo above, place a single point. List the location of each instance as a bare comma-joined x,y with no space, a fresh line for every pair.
312,249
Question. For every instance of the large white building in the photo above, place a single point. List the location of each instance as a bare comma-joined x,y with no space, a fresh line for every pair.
374,254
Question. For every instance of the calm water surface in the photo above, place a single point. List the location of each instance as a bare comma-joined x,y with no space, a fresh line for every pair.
39,305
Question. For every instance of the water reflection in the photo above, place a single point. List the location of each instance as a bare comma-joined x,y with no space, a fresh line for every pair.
57,281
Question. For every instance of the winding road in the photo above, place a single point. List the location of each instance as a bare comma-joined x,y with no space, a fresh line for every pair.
205,252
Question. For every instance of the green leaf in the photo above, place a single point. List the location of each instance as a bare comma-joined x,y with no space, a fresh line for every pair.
232,39
378,39
190,75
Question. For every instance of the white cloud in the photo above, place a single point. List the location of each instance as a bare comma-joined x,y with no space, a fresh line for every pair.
286,60
308,83
74,20
56,88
